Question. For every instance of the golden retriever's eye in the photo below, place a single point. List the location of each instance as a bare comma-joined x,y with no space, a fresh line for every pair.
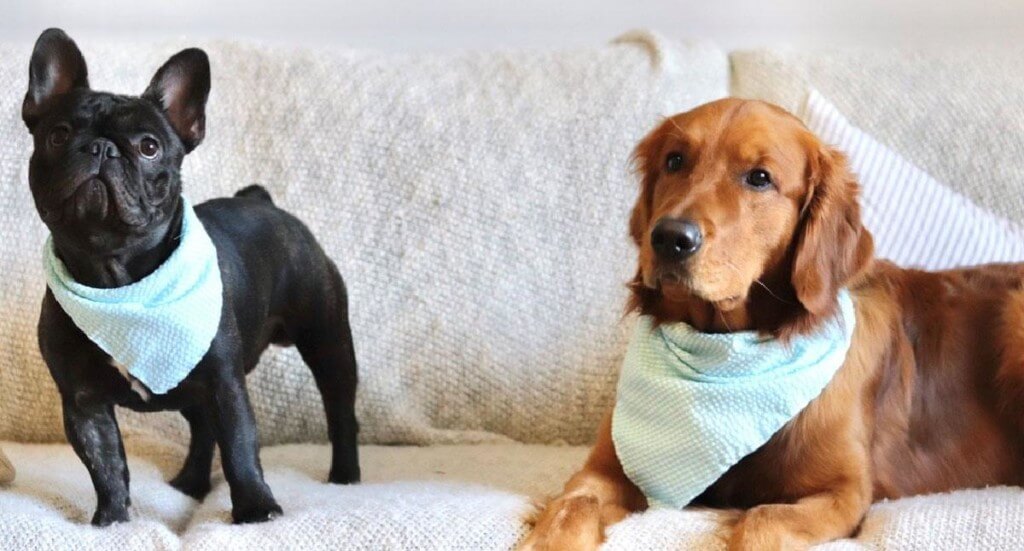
759,179
673,162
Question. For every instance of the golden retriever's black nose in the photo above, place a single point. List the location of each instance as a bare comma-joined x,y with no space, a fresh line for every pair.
674,240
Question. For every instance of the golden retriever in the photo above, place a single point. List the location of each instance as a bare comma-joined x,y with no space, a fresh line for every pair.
930,397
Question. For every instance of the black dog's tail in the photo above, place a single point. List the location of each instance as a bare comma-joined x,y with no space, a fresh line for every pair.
255,191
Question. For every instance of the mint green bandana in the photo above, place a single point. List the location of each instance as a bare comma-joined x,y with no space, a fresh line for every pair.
690,405
159,327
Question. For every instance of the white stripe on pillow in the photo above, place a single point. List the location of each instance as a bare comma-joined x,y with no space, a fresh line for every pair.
916,220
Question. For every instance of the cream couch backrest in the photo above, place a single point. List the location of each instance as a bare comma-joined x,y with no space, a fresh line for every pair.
956,113
475,203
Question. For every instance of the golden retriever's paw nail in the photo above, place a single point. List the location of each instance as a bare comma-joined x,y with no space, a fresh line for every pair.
577,512
527,546
533,511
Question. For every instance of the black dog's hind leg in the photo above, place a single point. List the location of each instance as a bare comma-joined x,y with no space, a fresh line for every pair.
93,433
194,477
327,349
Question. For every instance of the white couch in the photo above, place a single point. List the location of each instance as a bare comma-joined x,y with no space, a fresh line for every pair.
476,205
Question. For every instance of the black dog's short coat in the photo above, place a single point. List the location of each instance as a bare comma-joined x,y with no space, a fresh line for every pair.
105,179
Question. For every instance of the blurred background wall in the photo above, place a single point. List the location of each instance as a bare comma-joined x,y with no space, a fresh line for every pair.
396,25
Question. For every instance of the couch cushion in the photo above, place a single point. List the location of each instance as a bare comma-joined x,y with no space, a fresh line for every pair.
476,204
956,113
915,219
439,497
50,503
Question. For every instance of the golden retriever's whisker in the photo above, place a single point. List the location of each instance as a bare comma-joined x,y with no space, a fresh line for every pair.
770,292
724,321
759,282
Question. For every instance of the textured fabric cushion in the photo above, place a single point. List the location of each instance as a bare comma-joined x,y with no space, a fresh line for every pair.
916,220
476,205
52,500
958,114
441,497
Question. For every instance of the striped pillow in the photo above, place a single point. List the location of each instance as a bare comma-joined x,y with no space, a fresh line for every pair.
916,220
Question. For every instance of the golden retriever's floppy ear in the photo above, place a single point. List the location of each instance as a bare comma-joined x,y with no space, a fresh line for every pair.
646,160
832,245
647,165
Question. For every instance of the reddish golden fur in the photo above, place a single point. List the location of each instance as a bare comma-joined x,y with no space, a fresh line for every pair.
930,398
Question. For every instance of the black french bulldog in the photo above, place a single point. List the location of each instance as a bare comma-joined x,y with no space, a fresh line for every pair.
105,176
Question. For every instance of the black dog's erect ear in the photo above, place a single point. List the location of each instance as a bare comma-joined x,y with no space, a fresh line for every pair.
180,88
57,67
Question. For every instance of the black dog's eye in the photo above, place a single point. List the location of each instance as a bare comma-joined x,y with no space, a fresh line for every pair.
759,179
149,147
59,135
673,162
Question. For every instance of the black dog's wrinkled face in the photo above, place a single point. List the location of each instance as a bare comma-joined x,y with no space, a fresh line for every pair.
105,170
104,163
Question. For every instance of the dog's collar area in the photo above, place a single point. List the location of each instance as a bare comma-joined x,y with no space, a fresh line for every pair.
690,405
157,328
737,354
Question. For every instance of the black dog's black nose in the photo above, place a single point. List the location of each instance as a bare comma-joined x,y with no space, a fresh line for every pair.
105,148
674,240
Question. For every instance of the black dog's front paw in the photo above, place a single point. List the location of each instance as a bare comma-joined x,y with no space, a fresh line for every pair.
346,475
106,516
260,511
194,486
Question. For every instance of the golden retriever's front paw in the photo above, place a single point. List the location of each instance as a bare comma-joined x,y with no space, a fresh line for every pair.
570,523
765,528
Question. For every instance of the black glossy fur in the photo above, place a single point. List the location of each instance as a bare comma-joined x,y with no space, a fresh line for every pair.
114,210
